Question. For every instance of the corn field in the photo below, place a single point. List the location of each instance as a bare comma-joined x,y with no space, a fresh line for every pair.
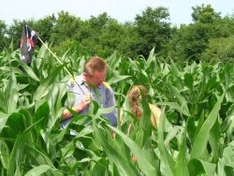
195,135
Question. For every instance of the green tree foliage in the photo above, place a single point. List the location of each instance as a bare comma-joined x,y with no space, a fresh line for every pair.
103,35
111,38
204,14
153,30
192,40
3,29
44,27
64,32
14,33
65,26
219,50
98,36
220,47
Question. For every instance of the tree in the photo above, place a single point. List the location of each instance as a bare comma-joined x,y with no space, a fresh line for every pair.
3,38
102,35
128,39
153,30
65,27
44,28
219,50
192,40
91,33
205,14
221,45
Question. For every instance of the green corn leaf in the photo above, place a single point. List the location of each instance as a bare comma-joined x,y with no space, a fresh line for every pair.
201,167
38,170
117,79
181,161
4,154
203,135
44,87
143,162
167,162
124,166
29,71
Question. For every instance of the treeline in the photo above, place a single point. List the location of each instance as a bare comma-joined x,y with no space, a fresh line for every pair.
210,37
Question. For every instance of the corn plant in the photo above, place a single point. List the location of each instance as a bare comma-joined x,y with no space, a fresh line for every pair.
195,135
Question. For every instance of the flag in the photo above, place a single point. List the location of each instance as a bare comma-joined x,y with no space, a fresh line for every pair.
27,44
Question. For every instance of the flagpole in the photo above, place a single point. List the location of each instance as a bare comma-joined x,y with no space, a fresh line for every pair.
60,63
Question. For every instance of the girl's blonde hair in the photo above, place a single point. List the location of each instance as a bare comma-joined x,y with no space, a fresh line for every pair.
135,97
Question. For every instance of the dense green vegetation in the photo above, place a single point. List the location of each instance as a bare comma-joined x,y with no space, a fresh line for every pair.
209,37
187,76
195,136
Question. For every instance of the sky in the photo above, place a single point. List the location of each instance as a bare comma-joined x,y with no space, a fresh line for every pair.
122,10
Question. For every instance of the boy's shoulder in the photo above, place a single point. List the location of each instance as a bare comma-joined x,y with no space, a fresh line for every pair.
107,85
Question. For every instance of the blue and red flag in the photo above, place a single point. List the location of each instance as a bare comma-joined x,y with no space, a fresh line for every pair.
27,44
